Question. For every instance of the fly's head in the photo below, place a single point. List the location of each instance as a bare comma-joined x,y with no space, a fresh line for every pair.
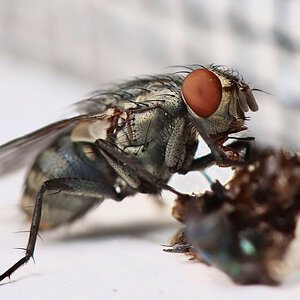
217,99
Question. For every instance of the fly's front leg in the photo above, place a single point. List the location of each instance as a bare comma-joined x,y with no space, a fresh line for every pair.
88,190
208,160
221,157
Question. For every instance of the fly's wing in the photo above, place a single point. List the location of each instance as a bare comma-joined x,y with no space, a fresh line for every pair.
19,152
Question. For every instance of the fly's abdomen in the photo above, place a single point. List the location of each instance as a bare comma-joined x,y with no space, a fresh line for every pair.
92,177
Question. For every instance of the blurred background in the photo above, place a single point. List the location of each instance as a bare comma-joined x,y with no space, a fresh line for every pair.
53,53
97,42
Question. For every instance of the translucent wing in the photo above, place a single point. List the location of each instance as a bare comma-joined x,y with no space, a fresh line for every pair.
19,152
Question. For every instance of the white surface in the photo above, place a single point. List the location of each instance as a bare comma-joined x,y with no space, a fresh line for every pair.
115,252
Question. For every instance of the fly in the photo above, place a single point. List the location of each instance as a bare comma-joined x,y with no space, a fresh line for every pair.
153,122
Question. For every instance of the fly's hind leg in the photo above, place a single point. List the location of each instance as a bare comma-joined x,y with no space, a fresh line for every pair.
90,191
71,200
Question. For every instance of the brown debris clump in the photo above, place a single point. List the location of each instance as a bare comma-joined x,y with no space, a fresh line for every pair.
245,227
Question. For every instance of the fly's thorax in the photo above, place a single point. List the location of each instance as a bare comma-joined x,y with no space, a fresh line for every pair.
143,135
163,98
140,127
145,132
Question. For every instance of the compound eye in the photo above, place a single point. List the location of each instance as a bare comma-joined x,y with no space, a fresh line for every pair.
202,92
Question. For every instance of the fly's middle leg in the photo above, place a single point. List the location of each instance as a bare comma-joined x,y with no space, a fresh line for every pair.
147,181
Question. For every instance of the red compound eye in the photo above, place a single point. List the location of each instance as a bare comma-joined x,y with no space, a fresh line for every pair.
202,92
